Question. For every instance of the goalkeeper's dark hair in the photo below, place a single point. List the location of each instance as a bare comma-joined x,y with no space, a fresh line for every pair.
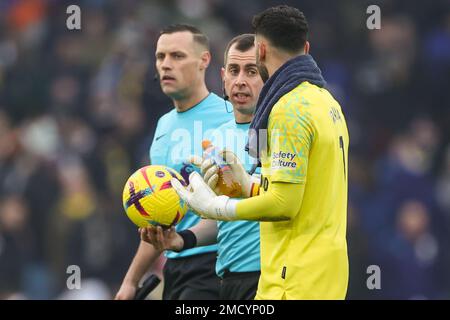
199,37
285,27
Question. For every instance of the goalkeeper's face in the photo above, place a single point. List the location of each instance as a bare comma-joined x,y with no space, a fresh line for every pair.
241,78
181,63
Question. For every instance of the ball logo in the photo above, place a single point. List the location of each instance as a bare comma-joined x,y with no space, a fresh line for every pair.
186,170
160,174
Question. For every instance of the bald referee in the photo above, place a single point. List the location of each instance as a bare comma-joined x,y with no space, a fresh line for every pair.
301,139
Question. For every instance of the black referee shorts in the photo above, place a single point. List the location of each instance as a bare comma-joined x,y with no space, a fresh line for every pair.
239,285
191,278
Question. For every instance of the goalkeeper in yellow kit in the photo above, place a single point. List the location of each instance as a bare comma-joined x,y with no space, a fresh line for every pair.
301,139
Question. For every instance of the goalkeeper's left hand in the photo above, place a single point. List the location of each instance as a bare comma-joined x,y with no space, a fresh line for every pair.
203,200
210,171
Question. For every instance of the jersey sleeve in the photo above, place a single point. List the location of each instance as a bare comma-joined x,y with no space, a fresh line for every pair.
291,135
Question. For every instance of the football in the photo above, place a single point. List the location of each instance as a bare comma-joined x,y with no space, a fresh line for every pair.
149,199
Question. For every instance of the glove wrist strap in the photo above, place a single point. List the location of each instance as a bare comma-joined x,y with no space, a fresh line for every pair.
254,190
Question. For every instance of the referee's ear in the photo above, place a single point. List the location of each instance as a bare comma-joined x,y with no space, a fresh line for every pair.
206,59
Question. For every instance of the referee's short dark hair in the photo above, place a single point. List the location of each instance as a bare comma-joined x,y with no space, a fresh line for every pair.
199,37
243,43
285,27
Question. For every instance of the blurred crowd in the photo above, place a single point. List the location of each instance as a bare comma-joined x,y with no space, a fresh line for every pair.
78,110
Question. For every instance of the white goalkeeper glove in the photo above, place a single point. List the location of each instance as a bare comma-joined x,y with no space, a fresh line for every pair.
203,200
210,172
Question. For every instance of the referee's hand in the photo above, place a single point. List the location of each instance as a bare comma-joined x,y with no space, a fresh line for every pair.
162,239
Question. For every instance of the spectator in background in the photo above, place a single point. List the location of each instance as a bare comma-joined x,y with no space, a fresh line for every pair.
410,268
86,230
16,246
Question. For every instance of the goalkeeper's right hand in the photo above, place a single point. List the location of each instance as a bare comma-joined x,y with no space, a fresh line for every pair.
210,173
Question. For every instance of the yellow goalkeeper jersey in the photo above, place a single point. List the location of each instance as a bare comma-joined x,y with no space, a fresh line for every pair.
306,257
